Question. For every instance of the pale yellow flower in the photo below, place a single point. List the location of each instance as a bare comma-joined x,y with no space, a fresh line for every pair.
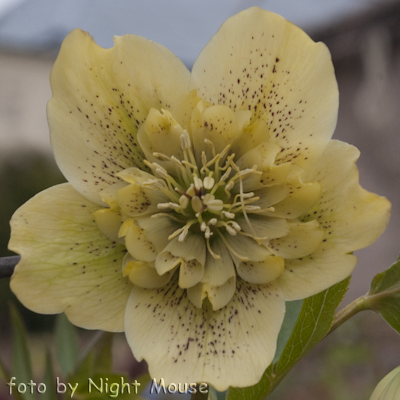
197,203
389,387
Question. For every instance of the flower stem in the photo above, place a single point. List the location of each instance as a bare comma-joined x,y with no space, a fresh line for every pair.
349,311
200,396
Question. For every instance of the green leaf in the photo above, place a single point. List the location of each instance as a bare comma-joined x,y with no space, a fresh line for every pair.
212,393
6,376
384,295
21,360
312,325
103,359
49,380
293,309
67,345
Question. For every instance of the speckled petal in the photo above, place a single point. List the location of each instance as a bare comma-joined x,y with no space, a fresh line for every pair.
302,240
100,98
261,272
67,263
351,217
157,230
245,248
136,201
161,133
109,222
181,343
144,274
264,227
218,270
258,61
301,197
215,123
219,280
189,254
262,155
219,296
137,243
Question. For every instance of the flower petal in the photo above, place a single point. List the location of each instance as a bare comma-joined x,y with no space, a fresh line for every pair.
157,230
161,133
214,123
307,276
218,282
301,197
109,222
261,272
136,201
100,98
218,270
258,61
190,255
301,241
144,274
181,343
136,242
219,296
67,263
245,248
352,217
261,226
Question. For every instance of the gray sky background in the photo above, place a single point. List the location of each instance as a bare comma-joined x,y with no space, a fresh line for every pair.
184,26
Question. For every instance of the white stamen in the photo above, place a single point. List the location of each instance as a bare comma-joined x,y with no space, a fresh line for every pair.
197,204
211,144
235,225
198,183
176,233
225,175
213,204
176,161
227,214
208,182
213,221
216,256
252,208
185,140
183,201
162,172
191,191
164,206
230,230
229,186
155,184
183,235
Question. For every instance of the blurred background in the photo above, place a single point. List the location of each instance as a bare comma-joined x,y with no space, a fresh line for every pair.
364,39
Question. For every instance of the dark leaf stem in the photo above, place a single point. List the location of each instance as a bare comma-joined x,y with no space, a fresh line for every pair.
7,265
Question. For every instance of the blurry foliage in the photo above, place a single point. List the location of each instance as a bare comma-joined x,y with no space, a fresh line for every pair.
22,175
65,363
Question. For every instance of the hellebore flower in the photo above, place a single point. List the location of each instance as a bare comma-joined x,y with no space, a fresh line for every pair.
389,387
197,203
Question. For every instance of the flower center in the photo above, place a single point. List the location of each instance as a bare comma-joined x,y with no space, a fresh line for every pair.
201,197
